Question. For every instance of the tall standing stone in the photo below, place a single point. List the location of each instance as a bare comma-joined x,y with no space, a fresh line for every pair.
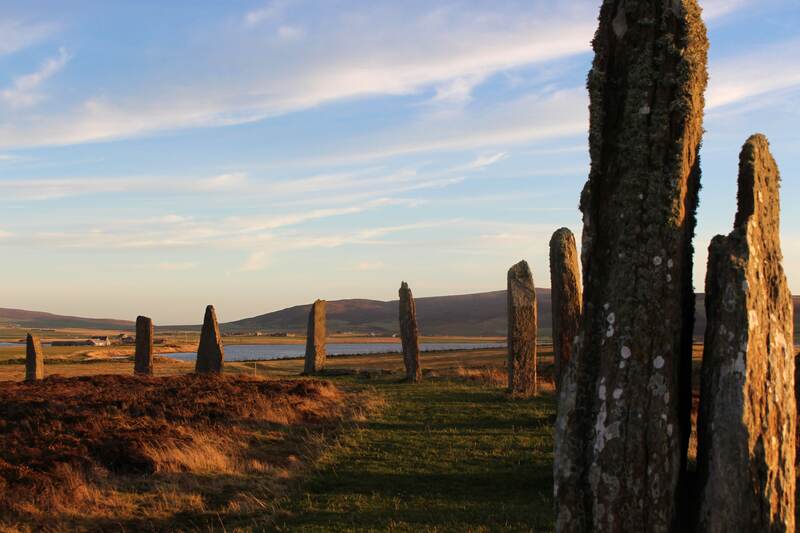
409,334
623,413
315,338
143,359
522,325
210,353
565,284
747,420
34,359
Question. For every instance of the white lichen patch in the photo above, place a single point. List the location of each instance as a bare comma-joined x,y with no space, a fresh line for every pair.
617,394
657,260
611,318
670,263
610,331
658,362
604,433
625,352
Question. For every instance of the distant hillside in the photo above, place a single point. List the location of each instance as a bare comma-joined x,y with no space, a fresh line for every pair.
481,314
36,319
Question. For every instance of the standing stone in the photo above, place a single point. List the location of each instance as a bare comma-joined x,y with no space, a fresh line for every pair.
747,419
565,284
210,353
143,360
521,331
315,338
409,334
34,359
622,428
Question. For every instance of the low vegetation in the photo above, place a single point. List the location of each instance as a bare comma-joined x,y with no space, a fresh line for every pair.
447,454
185,453
358,450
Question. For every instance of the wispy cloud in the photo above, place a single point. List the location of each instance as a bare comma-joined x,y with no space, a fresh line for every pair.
364,266
24,90
534,117
16,35
758,72
713,9
236,180
387,49
257,261
268,12
458,90
483,161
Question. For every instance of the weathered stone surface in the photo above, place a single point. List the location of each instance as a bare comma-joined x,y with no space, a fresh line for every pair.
565,284
409,334
315,339
210,353
623,413
143,358
34,358
747,418
522,326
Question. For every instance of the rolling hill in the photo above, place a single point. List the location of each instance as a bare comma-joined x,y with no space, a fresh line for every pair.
39,320
480,314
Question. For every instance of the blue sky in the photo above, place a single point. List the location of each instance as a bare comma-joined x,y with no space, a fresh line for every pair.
158,156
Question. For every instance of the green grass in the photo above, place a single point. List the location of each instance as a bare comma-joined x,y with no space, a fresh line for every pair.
442,456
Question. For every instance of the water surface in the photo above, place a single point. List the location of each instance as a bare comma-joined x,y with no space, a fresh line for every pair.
246,352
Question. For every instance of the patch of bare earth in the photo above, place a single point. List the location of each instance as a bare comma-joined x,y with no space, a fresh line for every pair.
183,453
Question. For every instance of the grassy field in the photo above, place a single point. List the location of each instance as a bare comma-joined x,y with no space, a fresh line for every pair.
448,454
453,453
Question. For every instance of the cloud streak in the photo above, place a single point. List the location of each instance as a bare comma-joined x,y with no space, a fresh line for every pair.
382,50
743,77
24,90
16,35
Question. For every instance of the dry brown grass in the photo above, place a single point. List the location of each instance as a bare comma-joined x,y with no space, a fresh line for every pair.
182,453
492,376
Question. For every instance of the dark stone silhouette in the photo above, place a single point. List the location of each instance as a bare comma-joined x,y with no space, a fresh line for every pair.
34,359
409,334
622,428
210,353
565,283
521,331
143,359
315,339
747,419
